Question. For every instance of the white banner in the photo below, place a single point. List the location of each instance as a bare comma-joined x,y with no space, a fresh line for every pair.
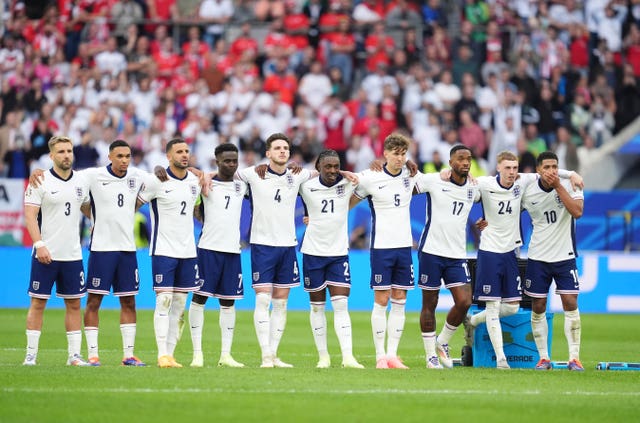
11,211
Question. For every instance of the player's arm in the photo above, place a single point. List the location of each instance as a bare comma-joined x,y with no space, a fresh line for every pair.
198,210
350,176
36,177
31,222
353,201
85,208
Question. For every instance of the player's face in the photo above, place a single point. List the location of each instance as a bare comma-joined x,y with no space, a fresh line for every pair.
120,157
227,164
460,163
508,170
548,166
62,156
178,156
395,159
329,169
279,152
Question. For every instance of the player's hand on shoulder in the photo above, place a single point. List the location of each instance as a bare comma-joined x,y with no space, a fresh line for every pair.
206,182
413,167
161,173
445,174
196,172
350,176
576,181
305,220
261,170
36,178
294,167
376,165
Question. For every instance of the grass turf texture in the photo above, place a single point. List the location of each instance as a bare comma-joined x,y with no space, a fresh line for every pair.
53,392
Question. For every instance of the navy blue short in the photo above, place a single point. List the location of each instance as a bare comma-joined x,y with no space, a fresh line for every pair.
322,271
436,269
117,269
221,274
540,274
274,266
175,274
68,277
497,277
391,268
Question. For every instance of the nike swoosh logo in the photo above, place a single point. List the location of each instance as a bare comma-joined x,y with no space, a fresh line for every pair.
54,192
445,190
314,189
105,183
533,203
167,191
381,186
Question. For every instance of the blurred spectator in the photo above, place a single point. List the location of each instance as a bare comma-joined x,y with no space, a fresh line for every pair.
360,154
472,135
315,87
336,125
627,99
379,47
125,13
85,154
402,16
464,63
433,14
566,150
215,14
602,122
340,47
269,10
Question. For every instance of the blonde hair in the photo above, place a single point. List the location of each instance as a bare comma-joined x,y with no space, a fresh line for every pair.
57,139
506,155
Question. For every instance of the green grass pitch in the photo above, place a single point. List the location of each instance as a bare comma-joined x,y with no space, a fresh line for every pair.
53,392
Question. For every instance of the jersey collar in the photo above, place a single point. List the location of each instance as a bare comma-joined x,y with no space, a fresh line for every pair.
170,173
384,168
110,170
53,172
502,186
340,177
274,172
542,187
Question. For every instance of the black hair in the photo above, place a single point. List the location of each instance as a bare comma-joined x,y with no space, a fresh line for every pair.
325,153
546,155
458,147
171,143
118,143
225,147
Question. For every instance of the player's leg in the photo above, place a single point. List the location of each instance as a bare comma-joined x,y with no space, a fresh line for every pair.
196,324
287,276
538,281
187,280
163,270
402,279
34,328
428,326
263,273
91,322
227,324
379,325
128,331
315,283
568,287
73,325
318,321
457,279
342,325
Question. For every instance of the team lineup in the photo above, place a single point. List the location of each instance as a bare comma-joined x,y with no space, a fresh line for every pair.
56,200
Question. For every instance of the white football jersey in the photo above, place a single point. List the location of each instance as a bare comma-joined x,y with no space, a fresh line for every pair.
501,209
448,207
222,209
553,236
60,215
171,208
327,233
389,199
273,204
113,207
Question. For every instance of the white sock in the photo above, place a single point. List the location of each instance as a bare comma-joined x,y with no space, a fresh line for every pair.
33,340
74,342
446,333
540,330
572,329
395,326
176,317
277,324
478,318
227,323
429,341
128,331
91,334
342,324
508,309
379,328
493,327
196,322
161,321
318,321
261,321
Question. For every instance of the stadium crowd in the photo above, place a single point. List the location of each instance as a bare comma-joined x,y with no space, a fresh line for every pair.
519,75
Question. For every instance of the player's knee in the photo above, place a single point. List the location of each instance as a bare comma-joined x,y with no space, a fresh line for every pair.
163,302
339,303
127,303
279,304
201,299
508,309
263,300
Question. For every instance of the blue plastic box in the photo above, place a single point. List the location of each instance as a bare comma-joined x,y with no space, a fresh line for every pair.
519,346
